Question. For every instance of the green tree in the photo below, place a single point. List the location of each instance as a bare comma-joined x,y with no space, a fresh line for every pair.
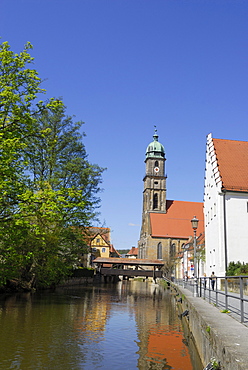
58,158
47,186
63,199
19,86
237,268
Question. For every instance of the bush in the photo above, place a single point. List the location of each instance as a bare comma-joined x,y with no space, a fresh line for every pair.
237,268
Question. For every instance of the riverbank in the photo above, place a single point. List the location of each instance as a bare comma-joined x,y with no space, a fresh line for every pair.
217,335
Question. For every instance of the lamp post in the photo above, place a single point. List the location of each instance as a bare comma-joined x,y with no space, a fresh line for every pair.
194,223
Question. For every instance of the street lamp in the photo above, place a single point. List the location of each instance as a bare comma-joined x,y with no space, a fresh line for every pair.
194,223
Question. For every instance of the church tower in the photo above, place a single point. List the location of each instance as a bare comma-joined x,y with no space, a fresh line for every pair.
166,224
154,193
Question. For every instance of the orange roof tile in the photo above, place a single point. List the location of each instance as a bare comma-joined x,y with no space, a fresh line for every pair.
232,158
176,222
133,251
113,250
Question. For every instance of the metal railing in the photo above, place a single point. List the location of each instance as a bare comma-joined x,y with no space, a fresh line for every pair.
229,293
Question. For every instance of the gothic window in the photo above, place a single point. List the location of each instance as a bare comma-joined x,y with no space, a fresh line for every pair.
159,251
172,249
155,201
156,164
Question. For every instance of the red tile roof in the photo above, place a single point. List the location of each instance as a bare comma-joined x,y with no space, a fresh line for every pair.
176,222
113,250
232,159
133,251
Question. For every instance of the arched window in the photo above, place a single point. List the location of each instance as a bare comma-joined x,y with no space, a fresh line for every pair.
156,164
155,201
159,251
172,250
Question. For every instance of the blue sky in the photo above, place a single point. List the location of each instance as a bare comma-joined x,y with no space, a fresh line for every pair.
123,66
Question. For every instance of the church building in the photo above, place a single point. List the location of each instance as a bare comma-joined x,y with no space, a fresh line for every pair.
166,224
226,203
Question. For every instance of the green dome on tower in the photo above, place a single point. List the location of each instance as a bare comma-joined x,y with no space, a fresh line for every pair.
155,149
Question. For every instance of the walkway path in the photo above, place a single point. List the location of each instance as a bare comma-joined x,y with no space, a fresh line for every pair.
218,298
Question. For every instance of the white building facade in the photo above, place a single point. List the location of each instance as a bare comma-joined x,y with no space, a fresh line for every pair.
225,204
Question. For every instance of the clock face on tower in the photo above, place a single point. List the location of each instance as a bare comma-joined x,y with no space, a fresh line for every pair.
156,169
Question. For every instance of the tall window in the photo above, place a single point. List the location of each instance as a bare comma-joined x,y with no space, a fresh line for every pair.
172,250
155,201
159,251
156,163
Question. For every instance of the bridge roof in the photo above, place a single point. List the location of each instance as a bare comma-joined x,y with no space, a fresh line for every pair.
128,261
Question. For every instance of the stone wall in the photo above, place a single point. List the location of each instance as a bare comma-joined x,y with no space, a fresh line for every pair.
216,335
76,281
234,285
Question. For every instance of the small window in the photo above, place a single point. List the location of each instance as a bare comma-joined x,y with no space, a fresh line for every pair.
155,201
159,251
103,250
98,241
156,163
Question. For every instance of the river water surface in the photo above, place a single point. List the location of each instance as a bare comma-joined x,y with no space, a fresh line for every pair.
128,325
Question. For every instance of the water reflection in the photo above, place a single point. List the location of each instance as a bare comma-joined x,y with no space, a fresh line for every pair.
130,325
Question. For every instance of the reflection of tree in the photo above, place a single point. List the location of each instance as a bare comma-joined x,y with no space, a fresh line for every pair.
38,330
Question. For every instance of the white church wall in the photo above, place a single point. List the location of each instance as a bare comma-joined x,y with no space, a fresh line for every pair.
237,227
234,212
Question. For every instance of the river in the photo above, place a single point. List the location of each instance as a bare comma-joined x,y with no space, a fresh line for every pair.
127,325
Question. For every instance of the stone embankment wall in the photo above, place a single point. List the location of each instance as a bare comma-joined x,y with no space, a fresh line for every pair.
216,335
76,281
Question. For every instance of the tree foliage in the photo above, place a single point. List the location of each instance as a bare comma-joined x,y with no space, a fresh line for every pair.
48,188
237,268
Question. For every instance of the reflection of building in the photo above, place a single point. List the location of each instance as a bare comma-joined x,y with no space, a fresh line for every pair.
226,203
167,348
93,316
166,224
161,341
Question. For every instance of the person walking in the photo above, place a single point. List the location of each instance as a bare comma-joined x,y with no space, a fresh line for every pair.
204,280
213,279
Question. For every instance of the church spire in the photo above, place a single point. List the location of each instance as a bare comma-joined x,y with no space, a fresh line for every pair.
155,136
